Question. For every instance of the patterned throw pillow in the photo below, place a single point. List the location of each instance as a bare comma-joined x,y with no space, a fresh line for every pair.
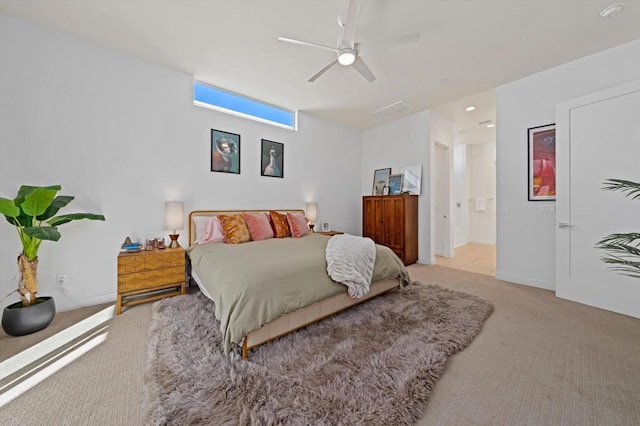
259,226
280,224
298,224
235,229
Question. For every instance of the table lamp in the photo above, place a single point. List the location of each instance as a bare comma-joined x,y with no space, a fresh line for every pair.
174,220
312,214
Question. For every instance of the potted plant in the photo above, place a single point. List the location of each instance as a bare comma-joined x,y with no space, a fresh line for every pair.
622,249
33,214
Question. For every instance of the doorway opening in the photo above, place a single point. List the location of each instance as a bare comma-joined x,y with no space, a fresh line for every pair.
470,186
472,257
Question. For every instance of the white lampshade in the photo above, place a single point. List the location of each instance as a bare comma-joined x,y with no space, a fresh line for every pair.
174,215
312,212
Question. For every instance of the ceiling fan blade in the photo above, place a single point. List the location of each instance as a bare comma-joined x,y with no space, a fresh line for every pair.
351,24
323,70
307,43
386,43
363,69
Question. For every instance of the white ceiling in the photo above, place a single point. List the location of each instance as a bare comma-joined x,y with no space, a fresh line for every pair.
467,47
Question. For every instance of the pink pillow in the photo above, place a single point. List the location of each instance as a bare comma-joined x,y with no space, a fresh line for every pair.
211,231
298,224
259,226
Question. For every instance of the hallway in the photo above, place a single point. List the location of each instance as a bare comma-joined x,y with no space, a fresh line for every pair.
478,258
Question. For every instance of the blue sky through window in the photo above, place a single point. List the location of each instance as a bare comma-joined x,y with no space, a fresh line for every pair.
244,106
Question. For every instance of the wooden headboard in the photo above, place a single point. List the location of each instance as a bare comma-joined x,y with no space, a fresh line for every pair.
199,213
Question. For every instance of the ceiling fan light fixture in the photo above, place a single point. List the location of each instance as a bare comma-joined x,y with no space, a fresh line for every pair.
346,56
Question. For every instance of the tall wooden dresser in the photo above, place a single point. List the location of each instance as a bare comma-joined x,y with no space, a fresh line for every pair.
392,221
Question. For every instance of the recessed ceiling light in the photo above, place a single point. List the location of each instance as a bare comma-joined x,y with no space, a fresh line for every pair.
491,125
611,11
470,108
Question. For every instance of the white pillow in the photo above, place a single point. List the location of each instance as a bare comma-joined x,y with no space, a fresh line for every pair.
208,229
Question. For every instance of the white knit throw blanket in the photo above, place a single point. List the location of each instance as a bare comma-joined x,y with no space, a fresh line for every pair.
350,261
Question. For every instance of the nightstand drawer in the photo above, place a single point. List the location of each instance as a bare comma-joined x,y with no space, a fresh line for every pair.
148,279
149,262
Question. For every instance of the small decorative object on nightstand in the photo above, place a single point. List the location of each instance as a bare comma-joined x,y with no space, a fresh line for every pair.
145,276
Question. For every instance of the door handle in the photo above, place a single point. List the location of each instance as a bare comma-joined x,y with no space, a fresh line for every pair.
565,225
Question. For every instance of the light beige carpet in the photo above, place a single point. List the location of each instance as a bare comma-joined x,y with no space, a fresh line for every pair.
539,360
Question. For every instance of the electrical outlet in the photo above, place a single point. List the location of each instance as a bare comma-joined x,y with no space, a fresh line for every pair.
61,281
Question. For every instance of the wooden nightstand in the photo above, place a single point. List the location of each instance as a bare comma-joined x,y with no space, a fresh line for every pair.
150,275
330,233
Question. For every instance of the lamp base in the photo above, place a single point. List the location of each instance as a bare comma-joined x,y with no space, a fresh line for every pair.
174,241
311,225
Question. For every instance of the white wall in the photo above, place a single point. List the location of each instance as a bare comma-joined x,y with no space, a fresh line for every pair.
526,237
404,142
123,136
482,184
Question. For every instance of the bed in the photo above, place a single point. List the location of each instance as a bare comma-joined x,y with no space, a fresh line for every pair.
265,289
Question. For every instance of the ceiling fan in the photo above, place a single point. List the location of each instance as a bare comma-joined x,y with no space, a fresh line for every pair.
348,50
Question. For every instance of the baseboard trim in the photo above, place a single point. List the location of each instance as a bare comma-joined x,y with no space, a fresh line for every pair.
66,303
531,282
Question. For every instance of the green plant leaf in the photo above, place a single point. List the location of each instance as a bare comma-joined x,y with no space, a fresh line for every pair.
66,218
622,251
49,233
27,189
38,201
59,202
627,187
9,209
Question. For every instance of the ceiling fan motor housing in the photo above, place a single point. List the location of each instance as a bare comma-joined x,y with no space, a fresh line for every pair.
346,56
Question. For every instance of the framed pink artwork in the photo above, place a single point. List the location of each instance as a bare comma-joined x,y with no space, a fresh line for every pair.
542,163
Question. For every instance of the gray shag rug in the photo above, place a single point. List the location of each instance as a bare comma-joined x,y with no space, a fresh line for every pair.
376,363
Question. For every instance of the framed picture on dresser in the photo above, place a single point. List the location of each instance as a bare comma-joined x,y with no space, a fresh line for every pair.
380,180
395,184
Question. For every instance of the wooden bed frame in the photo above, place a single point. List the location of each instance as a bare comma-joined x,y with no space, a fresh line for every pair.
292,321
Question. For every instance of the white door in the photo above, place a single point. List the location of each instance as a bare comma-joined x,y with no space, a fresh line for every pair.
597,138
442,221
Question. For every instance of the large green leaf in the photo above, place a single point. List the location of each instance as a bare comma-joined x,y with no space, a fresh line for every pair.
49,233
28,189
627,187
59,202
24,219
66,218
8,208
37,202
